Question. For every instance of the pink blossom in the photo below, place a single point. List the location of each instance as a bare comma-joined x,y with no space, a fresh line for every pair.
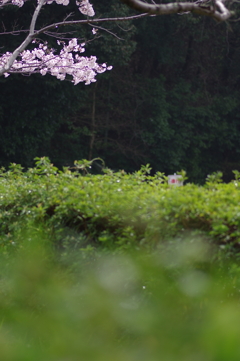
66,63
85,7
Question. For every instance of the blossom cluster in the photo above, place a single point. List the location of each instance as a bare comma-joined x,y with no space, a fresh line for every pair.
84,6
18,3
68,63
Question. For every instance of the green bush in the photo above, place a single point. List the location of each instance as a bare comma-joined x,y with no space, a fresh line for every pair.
114,210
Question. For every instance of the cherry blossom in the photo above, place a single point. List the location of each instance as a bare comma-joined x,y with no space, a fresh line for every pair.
85,7
66,63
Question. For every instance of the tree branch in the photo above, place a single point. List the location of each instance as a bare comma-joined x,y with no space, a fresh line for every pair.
87,21
6,65
27,41
216,9
219,12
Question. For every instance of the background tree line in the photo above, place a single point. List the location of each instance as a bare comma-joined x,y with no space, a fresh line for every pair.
171,100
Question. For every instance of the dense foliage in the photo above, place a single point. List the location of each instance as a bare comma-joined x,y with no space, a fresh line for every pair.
115,210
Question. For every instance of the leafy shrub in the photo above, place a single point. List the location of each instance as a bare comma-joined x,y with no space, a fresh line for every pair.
114,210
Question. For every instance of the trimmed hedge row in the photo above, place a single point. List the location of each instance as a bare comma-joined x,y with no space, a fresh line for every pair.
114,210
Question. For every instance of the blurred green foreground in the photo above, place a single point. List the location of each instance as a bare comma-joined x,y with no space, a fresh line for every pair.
169,305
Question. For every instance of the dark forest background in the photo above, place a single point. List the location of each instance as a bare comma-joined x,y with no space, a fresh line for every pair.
171,100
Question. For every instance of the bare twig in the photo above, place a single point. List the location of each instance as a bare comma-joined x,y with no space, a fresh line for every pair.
87,21
106,30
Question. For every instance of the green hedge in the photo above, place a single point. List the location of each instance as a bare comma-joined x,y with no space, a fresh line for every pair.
114,210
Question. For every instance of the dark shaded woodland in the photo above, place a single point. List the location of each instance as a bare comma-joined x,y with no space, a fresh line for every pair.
171,100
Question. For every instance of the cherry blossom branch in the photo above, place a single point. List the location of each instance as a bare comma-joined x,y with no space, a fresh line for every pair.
35,65
217,11
44,60
26,42
68,62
